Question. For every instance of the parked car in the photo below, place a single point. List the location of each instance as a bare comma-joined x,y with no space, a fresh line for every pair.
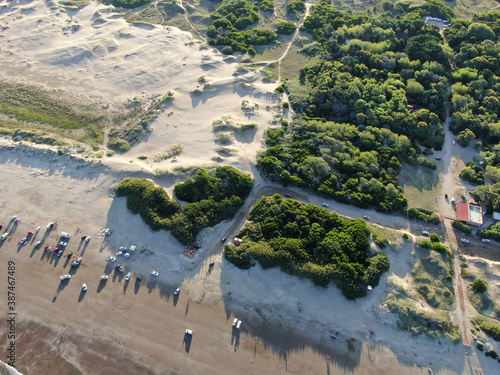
464,240
155,273
38,243
76,263
59,253
437,158
84,287
104,277
4,236
177,291
486,240
87,240
425,232
23,241
366,217
325,204
111,259
129,275
65,235
65,277
223,239
62,244
189,332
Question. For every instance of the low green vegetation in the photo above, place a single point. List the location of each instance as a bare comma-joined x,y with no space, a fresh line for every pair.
212,198
479,286
42,116
135,121
472,173
309,242
413,317
489,326
421,214
129,3
457,224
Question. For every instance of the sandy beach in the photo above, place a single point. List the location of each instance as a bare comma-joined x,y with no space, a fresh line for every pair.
126,327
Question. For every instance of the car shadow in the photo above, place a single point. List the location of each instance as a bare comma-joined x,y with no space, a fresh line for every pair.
176,299
101,285
125,286
62,284
137,285
187,342
82,295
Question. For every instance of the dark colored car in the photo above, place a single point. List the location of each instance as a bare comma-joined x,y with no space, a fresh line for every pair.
288,195
223,239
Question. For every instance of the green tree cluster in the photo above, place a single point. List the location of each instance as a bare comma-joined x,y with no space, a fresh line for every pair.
310,242
344,162
129,3
213,198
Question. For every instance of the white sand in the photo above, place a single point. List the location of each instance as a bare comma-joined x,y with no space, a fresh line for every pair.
119,328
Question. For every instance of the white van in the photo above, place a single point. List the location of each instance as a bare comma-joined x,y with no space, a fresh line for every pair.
65,235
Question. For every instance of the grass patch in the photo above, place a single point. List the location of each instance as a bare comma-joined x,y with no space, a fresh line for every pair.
412,317
431,280
30,106
420,186
172,151
489,326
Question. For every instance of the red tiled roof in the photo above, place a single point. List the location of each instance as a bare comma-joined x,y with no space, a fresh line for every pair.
462,211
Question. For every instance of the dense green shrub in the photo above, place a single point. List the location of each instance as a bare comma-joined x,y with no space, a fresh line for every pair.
434,237
286,28
381,242
457,224
213,198
309,242
129,3
421,214
296,6
479,286
472,173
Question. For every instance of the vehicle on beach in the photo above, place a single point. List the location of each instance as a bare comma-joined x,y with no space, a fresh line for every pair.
12,218
189,332
30,233
324,204
464,240
87,240
104,277
23,241
84,287
4,236
38,243
138,278
155,273
65,235
65,277
62,243
59,253
37,229
177,291
111,259
129,275
485,240
123,248
50,226
119,268
76,263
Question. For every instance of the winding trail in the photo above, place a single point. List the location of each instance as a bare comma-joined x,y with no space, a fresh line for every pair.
189,22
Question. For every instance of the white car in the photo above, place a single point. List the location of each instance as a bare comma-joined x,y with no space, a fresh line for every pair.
87,240
38,243
464,240
4,236
111,259
84,287
425,232
486,240
189,332
104,277
62,243
154,273
366,217
325,204
177,291
65,277
129,275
